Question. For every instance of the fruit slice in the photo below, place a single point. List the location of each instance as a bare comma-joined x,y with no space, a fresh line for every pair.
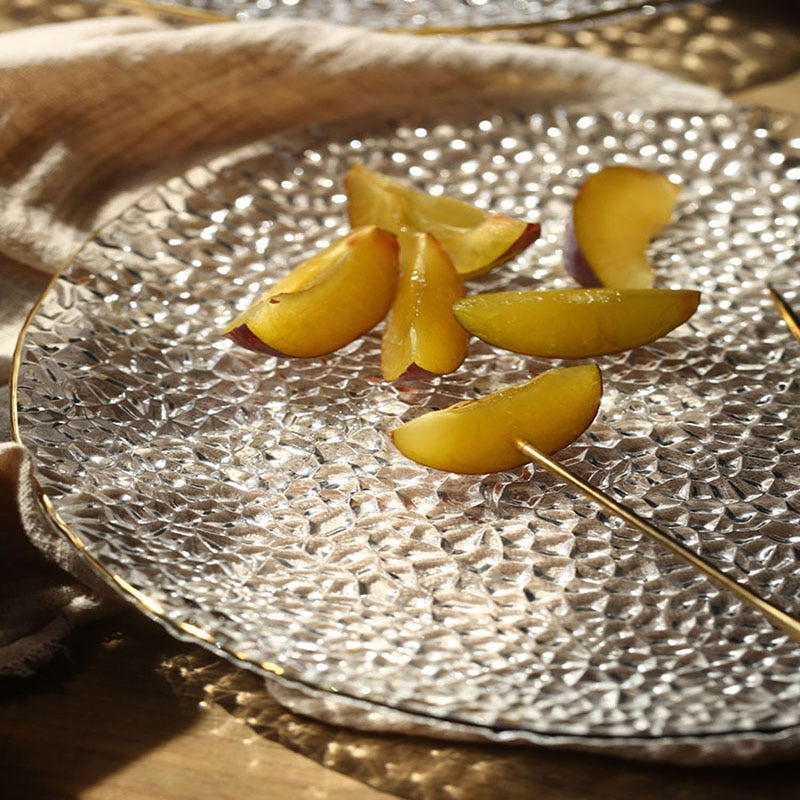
616,213
421,331
477,436
575,323
475,240
328,301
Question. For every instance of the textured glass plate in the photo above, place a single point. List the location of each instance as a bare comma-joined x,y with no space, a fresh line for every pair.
257,503
413,14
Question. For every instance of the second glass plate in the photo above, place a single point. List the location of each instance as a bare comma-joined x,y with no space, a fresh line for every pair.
412,15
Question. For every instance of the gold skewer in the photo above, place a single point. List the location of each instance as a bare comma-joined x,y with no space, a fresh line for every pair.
779,618
788,314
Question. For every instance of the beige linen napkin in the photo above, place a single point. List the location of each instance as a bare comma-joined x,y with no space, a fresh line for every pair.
92,112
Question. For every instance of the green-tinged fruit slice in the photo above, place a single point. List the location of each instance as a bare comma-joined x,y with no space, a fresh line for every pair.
575,323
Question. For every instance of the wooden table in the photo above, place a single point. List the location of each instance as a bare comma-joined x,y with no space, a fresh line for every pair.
126,712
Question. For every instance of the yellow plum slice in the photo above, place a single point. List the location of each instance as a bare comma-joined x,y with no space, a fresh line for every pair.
475,240
337,295
616,214
421,332
477,436
575,323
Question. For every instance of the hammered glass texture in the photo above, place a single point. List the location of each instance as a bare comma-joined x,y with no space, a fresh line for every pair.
259,501
416,14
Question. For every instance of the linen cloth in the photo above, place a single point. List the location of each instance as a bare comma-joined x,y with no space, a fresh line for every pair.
93,112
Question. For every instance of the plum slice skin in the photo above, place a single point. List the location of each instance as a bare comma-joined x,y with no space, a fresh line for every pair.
616,213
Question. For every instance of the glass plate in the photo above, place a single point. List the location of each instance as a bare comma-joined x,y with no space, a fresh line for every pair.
256,504
411,14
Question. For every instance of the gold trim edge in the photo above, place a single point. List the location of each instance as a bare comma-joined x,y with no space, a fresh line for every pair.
154,609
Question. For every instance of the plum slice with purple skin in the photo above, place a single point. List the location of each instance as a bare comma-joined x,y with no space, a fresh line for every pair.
616,213
575,323
328,301
475,240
